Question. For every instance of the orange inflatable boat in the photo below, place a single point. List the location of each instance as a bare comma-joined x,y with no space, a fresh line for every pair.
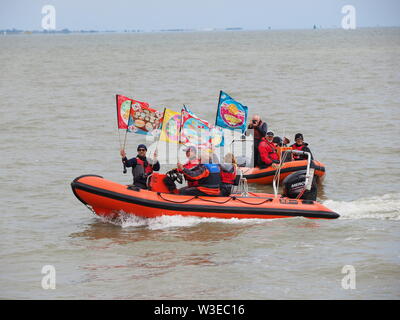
110,199
266,176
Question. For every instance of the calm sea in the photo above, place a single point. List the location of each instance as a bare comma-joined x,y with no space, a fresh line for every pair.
341,89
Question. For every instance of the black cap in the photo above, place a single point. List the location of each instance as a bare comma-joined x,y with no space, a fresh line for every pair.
270,133
141,146
277,140
298,136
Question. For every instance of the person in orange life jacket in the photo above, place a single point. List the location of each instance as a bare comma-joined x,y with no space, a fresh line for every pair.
228,174
302,146
267,151
207,176
278,142
260,131
141,166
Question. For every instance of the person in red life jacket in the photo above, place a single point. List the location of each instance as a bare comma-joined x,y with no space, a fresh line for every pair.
268,154
141,166
228,174
205,174
260,130
192,161
302,146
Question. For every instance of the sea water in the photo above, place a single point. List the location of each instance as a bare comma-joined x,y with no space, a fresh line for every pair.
340,88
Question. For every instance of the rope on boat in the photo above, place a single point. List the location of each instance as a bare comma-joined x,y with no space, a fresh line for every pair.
255,204
214,201
160,195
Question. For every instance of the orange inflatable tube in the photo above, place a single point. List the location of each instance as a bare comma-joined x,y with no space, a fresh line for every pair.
109,199
266,176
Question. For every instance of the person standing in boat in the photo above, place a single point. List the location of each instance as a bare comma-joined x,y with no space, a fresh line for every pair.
260,130
228,174
267,150
141,166
302,146
206,175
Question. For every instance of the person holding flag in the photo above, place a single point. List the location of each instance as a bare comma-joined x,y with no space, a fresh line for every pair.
141,166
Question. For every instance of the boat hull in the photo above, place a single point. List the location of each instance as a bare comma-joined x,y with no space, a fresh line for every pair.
266,176
110,199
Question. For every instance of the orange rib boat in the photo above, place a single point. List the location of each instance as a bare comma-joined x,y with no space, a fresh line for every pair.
266,176
110,199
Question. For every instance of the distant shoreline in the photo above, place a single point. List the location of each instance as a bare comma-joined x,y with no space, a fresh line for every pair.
177,30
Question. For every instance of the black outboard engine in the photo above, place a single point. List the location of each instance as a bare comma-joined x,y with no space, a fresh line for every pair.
294,184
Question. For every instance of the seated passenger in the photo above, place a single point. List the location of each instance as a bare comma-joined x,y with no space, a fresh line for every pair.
205,174
268,154
192,161
302,146
141,166
228,174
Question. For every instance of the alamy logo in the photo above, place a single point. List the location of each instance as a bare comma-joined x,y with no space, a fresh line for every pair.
349,20
349,280
49,20
49,279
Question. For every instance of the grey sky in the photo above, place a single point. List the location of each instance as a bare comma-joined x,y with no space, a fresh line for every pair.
168,14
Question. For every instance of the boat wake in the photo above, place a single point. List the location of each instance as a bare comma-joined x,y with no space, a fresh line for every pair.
164,222
386,207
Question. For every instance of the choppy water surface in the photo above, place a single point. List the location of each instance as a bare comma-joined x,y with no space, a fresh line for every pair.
339,88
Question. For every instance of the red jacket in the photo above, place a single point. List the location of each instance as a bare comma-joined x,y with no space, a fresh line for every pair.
190,165
268,154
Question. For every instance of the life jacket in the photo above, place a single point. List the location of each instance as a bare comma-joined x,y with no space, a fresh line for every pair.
141,171
228,177
295,146
189,165
210,184
267,152
148,169
257,134
273,154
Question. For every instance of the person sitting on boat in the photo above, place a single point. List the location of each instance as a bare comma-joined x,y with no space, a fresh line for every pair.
141,166
286,141
260,130
228,174
302,146
268,154
192,161
281,146
205,174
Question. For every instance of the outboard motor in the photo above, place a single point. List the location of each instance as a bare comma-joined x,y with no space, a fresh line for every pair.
294,184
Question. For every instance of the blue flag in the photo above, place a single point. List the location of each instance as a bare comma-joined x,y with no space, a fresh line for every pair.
231,114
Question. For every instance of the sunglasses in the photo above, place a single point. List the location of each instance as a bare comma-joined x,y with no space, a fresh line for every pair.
141,149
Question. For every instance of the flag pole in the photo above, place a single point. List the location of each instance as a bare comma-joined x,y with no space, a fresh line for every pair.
219,99
119,133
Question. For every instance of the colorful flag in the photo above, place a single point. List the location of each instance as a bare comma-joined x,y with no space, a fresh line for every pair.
231,114
217,137
143,119
170,130
124,108
199,132
194,131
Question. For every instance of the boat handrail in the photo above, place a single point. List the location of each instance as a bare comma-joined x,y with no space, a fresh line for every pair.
308,175
242,188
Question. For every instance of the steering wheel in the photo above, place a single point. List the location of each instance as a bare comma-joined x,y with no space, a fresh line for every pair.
174,175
